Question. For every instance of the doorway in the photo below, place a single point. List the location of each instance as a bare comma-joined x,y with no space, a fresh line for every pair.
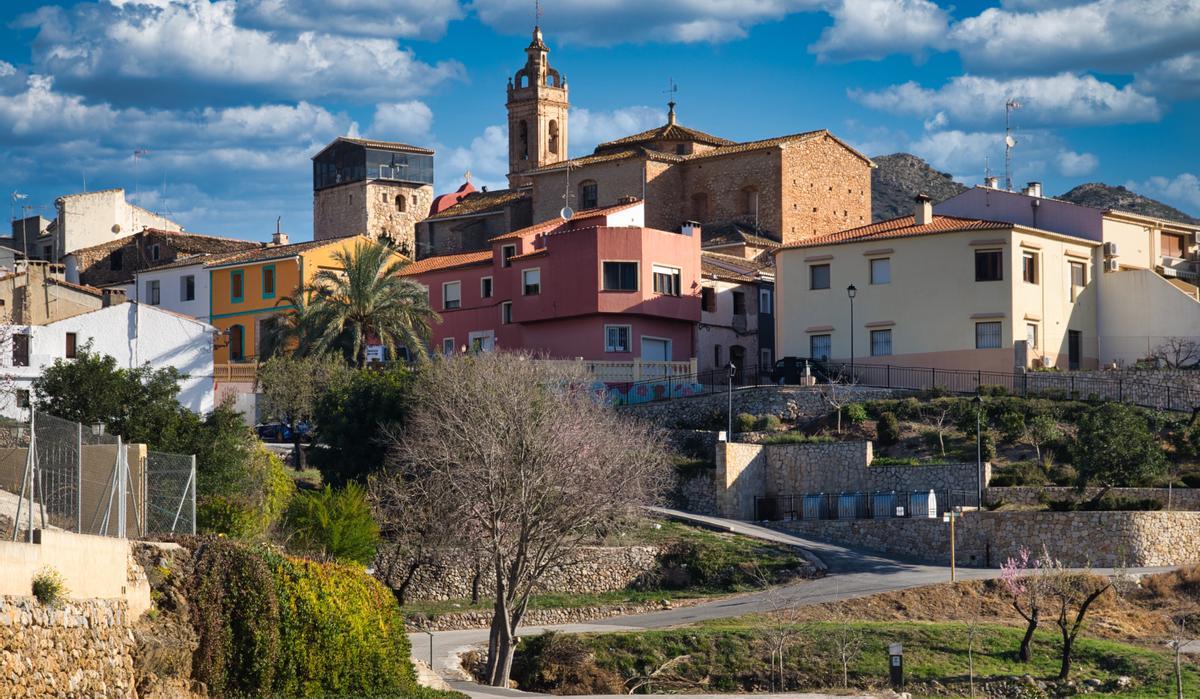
1074,348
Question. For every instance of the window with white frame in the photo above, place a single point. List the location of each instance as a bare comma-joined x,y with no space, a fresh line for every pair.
764,301
153,292
616,338
881,270
1078,278
987,335
820,346
531,281
1031,335
507,252
448,346
506,313
187,288
485,288
666,280
451,295
881,343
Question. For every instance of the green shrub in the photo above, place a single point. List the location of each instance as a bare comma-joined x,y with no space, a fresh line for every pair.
49,587
987,446
768,423
908,409
254,502
562,664
1020,473
1109,503
334,525
744,422
888,429
992,390
796,438
856,413
1012,427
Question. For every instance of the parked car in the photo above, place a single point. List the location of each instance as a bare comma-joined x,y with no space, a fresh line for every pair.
279,432
790,370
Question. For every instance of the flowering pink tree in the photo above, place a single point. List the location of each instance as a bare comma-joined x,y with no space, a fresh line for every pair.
1024,581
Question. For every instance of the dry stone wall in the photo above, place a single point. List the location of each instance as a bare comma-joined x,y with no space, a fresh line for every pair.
788,403
594,569
1102,539
79,649
1187,499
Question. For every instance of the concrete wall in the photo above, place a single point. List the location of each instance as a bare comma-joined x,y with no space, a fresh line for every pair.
92,218
1139,310
93,567
170,284
989,538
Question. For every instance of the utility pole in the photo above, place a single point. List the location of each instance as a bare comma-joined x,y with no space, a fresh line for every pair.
1009,142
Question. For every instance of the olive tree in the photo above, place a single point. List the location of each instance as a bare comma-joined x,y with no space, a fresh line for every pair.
1114,446
524,462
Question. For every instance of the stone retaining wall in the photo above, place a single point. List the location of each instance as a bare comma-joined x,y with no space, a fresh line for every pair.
540,617
1187,499
1101,539
594,569
788,403
80,649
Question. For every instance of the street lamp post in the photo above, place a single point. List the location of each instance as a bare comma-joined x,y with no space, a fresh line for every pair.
732,371
851,291
978,401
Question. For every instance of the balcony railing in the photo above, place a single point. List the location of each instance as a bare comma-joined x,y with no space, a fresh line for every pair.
245,372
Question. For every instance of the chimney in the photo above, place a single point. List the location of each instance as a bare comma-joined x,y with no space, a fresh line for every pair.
991,182
627,199
1034,189
113,297
923,211
690,228
280,238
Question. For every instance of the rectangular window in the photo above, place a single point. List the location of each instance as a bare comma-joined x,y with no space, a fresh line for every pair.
765,357
666,280
237,292
448,346
987,335
72,345
1029,267
881,343
881,271
1172,245
620,276
506,313
451,295
818,277
820,346
739,303
268,282
155,252
708,299
507,252
485,288
716,355
589,197
20,343
616,338
116,261
187,288
989,265
531,281
22,398
1031,335
764,301
1078,278
153,292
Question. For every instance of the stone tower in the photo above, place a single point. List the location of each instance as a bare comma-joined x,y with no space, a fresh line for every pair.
537,114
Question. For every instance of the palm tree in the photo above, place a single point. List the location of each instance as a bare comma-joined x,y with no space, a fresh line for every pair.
298,332
367,299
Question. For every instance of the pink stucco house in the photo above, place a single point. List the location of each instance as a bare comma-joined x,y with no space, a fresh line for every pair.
601,287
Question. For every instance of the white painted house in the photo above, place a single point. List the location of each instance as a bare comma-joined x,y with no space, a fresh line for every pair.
133,333
181,287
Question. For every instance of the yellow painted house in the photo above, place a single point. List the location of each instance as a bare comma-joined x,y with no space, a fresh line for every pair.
249,288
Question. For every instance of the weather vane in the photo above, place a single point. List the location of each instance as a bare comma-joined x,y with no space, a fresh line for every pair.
537,12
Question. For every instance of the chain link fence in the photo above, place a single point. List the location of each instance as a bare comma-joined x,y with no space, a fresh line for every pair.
81,479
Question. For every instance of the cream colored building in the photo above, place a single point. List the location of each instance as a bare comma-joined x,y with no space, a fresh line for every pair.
962,292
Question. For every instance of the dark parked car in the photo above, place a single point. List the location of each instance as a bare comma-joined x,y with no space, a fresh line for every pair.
790,370
279,432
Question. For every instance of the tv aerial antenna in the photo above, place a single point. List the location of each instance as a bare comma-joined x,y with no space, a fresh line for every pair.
567,213
138,154
1010,106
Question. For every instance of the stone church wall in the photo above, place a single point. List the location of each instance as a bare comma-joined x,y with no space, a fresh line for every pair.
370,208
723,178
826,189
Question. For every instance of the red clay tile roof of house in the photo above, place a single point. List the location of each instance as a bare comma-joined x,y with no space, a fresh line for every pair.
278,252
666,132
480,202
731,267
452,261
180,240
734,233
902,227
530,255
382,145
556,222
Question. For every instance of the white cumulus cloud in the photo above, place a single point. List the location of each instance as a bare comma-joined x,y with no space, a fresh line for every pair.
383,18
873,29
398,121
589,128
1072,164
1175,78
486,158
1182,190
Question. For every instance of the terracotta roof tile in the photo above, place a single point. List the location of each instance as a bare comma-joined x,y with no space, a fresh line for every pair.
666,132
278,252
903,227
638,152
182,241
441,262
732,268
530,255
480,202
734,233
556,222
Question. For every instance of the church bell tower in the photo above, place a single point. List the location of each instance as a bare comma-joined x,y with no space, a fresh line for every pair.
537,114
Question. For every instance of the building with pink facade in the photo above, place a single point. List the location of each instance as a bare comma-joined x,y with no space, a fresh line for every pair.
602,287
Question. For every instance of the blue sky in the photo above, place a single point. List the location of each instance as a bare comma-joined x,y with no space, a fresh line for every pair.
232,98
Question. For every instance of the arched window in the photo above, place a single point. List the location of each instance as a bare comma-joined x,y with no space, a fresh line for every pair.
401,203
700,207
523,139
589,196
552,142
237,343
748,200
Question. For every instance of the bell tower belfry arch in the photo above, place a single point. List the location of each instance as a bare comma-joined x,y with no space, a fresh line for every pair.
537,114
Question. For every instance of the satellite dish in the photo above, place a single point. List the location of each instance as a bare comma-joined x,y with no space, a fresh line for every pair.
1010,141
567,213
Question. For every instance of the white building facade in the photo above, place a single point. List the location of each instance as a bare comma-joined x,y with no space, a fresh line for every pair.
182,287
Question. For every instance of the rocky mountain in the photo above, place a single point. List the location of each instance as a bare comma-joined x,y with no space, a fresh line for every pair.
899,177
1102,196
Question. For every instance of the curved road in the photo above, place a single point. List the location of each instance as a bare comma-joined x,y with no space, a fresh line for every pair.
851,574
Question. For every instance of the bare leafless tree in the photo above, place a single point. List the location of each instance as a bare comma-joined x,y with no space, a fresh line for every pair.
1178,638
939,413
837,394
848,642
1025,584
414,534
523,462
783,630
1071,594
1178,352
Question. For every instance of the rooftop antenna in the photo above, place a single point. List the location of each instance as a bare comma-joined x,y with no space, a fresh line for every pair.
537,13
567,212
138,154
1009,142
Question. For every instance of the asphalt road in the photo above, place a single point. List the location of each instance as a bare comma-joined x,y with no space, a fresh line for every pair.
850,574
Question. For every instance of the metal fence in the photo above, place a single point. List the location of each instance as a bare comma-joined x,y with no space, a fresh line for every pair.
889,504
56,473
1034,384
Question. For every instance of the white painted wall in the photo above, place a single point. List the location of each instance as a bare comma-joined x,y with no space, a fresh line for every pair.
132,333
170,284
1138,311
92,218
